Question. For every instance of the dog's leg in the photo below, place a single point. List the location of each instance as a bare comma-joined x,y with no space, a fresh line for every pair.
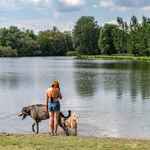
76,127
37,127
72,126
33,127
61,125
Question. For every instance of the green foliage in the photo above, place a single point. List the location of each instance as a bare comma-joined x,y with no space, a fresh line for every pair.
105,41
71,53
7,52
143,36
86,35
87,38
29,47
132,40
18,43
138,41
32,35
54,43
47,43
116,57
120,35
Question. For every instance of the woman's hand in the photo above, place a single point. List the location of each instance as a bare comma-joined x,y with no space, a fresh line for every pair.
47,108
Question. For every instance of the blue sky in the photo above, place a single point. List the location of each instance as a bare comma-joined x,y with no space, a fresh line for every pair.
40,15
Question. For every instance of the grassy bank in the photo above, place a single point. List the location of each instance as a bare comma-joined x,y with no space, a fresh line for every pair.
130,57
38,142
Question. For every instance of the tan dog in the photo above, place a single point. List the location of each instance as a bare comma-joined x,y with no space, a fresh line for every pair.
71,122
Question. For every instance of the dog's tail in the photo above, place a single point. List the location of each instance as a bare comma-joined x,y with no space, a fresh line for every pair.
62,115
75,116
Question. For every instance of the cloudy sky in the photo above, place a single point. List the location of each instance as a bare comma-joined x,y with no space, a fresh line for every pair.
44,14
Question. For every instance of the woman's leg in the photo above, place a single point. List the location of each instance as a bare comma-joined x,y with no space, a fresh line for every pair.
56,117
51,122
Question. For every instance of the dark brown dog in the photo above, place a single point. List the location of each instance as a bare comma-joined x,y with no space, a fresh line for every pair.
38,113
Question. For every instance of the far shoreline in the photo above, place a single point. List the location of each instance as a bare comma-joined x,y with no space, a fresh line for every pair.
117,56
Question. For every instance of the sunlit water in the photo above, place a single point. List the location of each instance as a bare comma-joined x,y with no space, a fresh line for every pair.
111,97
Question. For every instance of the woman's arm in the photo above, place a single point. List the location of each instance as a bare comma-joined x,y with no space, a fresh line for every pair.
59,94
47,98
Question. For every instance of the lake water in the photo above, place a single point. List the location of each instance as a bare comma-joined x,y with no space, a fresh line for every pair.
111,97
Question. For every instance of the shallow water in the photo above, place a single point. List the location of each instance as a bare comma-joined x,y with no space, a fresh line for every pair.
111,97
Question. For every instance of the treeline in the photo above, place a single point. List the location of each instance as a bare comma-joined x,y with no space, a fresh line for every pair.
87,38
134,38
14,42
123,38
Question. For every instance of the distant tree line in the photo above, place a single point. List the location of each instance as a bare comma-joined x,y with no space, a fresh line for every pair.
134,38
123,38
14,42
86,38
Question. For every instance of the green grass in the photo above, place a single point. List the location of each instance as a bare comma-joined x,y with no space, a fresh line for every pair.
116,56
44,141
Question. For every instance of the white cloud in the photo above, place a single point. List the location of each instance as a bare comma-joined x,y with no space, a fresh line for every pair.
106,4
57,5
125,5
3,19
145,9
94,6
110,4
58,15
66,5
41,10
112,22
6,4
69,25
140,21
115,22
41,24
72,2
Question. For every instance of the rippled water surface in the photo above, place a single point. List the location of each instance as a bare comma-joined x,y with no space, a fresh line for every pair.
111,97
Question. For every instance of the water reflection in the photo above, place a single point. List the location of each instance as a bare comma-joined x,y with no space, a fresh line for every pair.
120,77
85,77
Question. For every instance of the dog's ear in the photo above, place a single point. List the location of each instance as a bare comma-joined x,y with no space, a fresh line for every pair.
25,110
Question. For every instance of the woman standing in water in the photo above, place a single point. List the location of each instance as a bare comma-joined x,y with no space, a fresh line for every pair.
53,106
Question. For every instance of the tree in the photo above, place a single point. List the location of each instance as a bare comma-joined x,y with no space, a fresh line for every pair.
132,40
24,43
105,41
120,35
68,41
46,43
86,35
52,42
32,35
143,36
3,33
29,47
7,52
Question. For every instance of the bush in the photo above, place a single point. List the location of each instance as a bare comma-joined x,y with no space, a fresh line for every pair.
71,53
37,53
128,58
8,52
138,58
